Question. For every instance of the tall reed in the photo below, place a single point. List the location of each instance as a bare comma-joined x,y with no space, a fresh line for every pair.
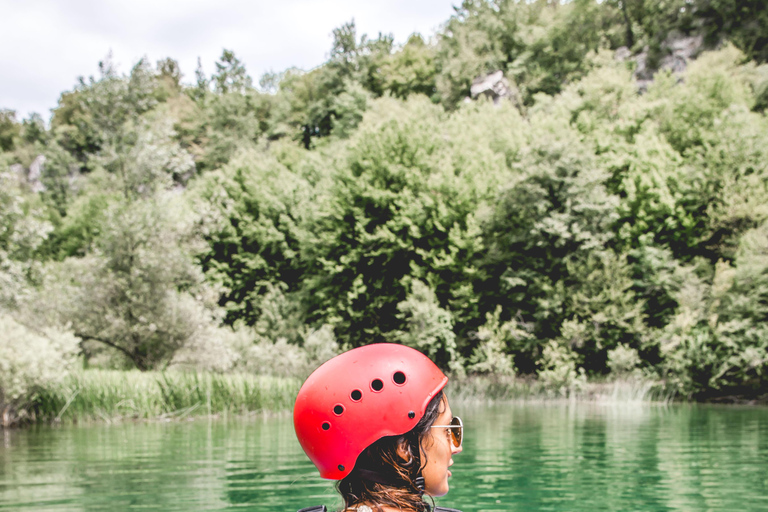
501,388
112,395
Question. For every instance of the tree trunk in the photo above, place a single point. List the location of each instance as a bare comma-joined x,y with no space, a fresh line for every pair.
136,359
630,37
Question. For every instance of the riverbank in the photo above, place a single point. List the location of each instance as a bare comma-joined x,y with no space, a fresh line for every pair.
111,395
493,388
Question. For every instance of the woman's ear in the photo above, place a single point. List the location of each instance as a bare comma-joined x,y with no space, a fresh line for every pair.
404,451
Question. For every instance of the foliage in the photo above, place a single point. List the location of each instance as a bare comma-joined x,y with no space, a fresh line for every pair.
107,395
23,229
230,74
743,22
135,291
429,327
284,359
397,208
253,223
30,360
558,372
410,70
585,231
9,129
623,360
716,342
491,355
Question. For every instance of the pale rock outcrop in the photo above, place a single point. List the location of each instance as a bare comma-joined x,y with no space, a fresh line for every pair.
30,176
35,174
678,50
494,86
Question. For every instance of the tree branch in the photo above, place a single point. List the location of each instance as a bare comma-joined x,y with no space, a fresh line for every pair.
111,344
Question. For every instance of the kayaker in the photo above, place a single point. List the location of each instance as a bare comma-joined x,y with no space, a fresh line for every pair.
376,419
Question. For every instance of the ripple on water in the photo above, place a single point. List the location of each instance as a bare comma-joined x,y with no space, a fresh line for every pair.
573,458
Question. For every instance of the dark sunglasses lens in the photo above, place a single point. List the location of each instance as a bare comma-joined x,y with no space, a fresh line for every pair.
458,432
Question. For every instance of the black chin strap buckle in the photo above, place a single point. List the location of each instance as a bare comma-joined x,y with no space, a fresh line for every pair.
419,481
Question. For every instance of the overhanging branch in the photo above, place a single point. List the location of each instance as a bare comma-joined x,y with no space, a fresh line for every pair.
109,343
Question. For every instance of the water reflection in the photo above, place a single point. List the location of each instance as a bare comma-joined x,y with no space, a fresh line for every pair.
591,457
516,458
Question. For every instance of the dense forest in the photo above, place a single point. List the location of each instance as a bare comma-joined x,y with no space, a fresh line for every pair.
606,215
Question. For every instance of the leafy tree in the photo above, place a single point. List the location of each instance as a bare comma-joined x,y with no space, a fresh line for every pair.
168,79
411,70
492,355
24,226
230,74
33,129
9,129
59,176
331,99
202,83
134,293
305,107
477,39
30,359
230,122
742,22
396,210
716,342
546,222
254,223
429,328
90,119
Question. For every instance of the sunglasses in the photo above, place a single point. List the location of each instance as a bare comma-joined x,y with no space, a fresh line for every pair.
457,431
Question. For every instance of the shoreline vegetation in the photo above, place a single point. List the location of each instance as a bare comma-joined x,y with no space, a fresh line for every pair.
111,396
546,198
115,395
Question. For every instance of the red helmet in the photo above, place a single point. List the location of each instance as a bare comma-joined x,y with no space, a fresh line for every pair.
359,397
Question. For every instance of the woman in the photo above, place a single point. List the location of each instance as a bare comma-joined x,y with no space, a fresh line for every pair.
376,419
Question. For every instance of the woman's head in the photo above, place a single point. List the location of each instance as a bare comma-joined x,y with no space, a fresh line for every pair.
365,418
397,470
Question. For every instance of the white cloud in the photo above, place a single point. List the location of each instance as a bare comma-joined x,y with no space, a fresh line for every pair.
46,44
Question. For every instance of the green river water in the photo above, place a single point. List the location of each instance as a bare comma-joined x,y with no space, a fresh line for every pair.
578,457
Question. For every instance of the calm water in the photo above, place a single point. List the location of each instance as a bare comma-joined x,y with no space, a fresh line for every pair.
516,458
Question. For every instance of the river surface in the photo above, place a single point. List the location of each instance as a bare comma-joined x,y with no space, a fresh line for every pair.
574,458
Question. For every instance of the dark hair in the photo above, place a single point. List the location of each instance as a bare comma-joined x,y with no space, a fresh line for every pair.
381,477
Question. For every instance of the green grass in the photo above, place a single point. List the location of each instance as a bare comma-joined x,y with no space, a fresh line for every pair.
111,395
494,388
115,395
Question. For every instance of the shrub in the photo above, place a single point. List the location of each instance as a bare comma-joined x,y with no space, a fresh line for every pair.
623,360
491,355
429,327
30,360
558,372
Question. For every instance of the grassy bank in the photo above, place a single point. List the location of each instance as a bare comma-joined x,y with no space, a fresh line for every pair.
105,395
482,388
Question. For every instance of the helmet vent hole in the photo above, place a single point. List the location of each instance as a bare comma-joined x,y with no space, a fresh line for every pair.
399,378
326,425
356,395
338,409
377,385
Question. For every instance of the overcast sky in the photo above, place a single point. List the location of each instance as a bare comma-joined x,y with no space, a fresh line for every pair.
46,44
